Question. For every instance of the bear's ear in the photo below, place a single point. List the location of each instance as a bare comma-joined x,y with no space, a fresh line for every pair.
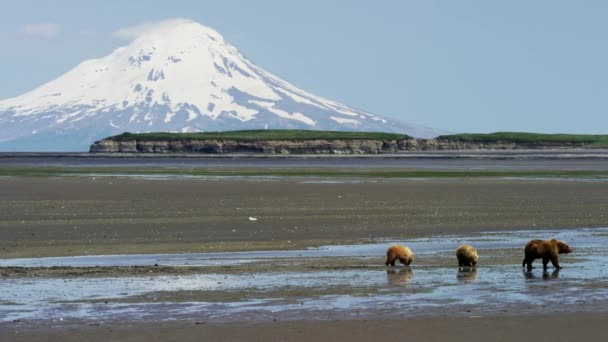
553,240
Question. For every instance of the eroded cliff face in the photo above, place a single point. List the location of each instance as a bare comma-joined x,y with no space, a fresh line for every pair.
267,147
455,145
310,146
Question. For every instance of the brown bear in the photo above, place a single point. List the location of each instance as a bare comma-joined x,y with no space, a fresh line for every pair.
467,256
401,253
546,250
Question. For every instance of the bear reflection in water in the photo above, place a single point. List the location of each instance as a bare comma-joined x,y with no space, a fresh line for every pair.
399,277
546,275
467,274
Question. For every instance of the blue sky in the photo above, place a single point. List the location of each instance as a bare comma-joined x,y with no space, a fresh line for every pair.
474,66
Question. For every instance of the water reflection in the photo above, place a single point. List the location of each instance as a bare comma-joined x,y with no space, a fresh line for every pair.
546,275
399,277
467,274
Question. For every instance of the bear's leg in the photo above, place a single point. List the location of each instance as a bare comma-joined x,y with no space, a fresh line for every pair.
528,262
462,262
555,262
390,260
545,262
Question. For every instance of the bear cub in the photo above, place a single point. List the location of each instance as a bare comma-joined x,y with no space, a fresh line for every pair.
467,256
401,253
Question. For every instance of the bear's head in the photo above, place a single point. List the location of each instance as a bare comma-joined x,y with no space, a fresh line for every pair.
475,258
474,262
407,259
563,248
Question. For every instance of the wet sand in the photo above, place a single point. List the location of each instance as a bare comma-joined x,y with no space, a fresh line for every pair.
548,327
109,215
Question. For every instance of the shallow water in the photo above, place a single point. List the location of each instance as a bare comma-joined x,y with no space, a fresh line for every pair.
439,160
350,280
588,238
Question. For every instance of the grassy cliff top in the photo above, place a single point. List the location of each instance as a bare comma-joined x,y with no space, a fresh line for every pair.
597,140
253,135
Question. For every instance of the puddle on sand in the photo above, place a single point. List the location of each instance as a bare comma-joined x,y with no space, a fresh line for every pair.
431,285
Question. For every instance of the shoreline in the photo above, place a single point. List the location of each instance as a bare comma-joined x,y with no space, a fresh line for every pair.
222,247
565,153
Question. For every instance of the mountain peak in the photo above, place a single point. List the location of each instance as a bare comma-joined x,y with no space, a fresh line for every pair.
175,75
177,30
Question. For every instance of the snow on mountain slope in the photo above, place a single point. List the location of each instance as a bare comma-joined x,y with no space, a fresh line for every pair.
177,76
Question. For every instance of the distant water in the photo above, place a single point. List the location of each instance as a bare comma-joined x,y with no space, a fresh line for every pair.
494,160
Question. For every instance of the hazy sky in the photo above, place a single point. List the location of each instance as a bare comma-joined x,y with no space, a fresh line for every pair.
456,65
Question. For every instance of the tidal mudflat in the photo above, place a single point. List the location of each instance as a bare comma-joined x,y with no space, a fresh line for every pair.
61,216
329,282
287,254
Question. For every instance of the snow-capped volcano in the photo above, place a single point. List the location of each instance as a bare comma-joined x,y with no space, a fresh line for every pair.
177,76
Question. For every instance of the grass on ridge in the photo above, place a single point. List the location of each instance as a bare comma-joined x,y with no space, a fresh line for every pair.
253,135
595,140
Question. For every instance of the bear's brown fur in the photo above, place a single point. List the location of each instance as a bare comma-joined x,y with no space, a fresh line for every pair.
401,253
467,256
546,250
